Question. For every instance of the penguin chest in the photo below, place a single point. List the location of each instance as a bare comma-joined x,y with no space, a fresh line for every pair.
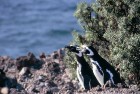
79,75
98,75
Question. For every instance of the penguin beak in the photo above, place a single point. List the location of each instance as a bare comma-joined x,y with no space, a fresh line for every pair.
67,47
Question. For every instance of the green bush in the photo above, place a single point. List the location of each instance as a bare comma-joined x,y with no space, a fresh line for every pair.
113,27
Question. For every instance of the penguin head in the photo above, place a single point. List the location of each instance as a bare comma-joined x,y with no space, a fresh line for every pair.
88,50
75,49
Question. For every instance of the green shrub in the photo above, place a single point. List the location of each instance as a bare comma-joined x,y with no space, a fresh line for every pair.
113,27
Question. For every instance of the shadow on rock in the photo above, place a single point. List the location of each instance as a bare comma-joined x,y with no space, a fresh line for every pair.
28,61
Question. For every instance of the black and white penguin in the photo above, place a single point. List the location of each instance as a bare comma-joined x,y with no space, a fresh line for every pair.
102,70
84,71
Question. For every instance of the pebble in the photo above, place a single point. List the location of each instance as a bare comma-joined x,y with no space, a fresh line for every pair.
4,90
23,71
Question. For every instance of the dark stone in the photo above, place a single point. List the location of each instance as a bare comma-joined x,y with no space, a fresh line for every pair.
51,84
42,55
54,67
54,89
28,61
49,92
21,62
11,82
69,86
55,55
35,90
13,91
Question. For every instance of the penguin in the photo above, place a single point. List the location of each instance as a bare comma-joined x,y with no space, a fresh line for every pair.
84,71
103,71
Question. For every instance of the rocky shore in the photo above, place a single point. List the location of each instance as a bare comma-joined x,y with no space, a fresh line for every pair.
45,75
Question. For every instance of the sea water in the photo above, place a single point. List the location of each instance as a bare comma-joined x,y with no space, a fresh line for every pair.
36,25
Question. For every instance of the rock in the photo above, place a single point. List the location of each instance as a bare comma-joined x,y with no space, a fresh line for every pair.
55,55
98,88
51,84
56,60
29,88
54,89
61,53
119,85
42,84
11,82
68,72
4,90
40,78
35,90
13,91
75,83
21,62
53,67
49,92
6,57
134,87
26,61
23,71
42,55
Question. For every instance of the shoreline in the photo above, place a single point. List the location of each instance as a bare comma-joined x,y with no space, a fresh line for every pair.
46,75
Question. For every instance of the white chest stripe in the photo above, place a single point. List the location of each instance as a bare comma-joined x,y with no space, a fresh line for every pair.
90,52
96,64
79,54
97,74
111,75
79,75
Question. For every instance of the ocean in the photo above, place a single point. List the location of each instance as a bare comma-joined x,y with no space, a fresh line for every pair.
36,25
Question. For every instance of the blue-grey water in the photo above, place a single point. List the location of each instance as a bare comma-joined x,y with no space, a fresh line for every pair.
36,25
